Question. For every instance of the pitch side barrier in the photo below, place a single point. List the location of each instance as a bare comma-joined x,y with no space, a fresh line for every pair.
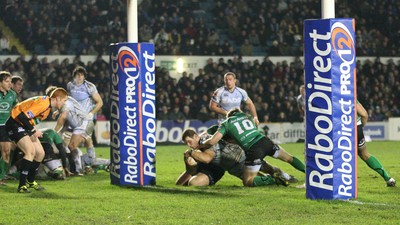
331,148
170,132
133,114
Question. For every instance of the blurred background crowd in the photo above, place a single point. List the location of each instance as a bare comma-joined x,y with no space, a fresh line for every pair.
194,27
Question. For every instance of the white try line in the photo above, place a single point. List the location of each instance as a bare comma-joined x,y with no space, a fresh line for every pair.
368,203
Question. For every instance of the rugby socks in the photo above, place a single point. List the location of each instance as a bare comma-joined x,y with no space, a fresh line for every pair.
71,162
263,181
296,163
25,166
76,154
32,171
2,169
268,168
91,155
374,164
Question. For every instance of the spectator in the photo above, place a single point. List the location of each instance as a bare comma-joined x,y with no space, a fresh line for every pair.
246,49
4,44
176,115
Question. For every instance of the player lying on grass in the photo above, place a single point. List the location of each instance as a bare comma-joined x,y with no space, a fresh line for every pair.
206,166
240,127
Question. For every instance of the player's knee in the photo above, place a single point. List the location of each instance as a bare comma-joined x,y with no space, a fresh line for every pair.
248,182
198,181
363,153
72,146
29,152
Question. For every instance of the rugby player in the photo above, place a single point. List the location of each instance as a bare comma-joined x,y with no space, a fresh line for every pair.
370,160
228,156
20,128
8,98
240,127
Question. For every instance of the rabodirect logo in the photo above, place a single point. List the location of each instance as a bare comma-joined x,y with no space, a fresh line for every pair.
343,42
128,61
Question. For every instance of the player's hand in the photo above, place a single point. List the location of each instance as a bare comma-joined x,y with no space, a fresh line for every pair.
89,116
38,134
67,172
187,153
255,120
55,114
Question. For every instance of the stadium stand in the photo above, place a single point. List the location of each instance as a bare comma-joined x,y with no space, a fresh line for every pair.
209,27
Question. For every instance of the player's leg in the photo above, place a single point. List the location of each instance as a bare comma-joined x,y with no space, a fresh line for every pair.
371,160
5,150
253,164
183,179
86,131
5,146
66,136
73,145
56,170
90,156
25,144
267,168
4,160
199,179
208,175
38,158
283,155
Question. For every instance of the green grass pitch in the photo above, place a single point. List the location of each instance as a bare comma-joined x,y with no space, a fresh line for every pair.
93,200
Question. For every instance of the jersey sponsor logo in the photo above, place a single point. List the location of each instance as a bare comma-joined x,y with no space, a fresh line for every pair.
30,114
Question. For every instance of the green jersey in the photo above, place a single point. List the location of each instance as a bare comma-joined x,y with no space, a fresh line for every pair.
242,129
51,137
7,101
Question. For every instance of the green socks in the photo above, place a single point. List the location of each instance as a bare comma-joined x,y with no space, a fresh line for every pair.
2,169
263,181
374,164
296,163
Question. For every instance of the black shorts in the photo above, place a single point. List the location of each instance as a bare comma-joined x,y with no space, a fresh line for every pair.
15,130
259,150
214,173
3,134
360,136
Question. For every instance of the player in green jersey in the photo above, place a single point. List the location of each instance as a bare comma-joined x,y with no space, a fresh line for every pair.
370,160
8,98
55,158
240,127
51,159
228,156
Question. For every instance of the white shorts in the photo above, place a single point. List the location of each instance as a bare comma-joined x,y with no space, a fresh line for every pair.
85,130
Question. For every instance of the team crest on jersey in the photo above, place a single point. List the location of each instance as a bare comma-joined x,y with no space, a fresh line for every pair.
30,114
4,106
21,129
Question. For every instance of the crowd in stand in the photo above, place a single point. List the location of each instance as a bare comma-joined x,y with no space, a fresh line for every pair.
273,87
179,27
191,27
